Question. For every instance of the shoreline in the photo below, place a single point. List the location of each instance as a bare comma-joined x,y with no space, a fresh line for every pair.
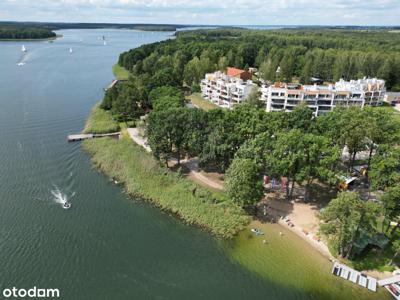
141,175
33,40
320,246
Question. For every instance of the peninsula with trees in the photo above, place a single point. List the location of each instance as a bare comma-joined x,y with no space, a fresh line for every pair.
344,160
8,32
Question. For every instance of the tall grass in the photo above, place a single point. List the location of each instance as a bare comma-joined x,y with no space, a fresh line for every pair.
120,72
144,177
100,121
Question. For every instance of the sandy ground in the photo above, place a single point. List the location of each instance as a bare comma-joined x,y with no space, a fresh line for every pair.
300,218
134,134
304,220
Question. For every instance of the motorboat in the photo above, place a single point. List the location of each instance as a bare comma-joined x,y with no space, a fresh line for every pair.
23,49
20,64
70,50
67,205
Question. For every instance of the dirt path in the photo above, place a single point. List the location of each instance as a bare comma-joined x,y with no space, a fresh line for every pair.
192,165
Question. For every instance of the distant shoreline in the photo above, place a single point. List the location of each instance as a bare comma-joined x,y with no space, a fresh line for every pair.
33,40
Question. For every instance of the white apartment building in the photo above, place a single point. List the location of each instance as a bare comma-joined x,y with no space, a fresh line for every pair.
323,98
224,90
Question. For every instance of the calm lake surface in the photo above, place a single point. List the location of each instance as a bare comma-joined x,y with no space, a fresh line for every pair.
108,246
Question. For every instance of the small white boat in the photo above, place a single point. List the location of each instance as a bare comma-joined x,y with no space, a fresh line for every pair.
23,49
104,43
20,64
67,205
70,50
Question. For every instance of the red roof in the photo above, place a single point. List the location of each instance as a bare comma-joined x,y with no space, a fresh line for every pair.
234,72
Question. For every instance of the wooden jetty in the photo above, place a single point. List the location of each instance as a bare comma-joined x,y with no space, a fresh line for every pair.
87,136
354,276
114,83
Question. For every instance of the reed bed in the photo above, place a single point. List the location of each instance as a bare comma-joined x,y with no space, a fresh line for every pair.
142,176
100,121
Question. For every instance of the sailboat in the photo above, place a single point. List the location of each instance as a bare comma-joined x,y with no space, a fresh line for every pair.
23,48
70,50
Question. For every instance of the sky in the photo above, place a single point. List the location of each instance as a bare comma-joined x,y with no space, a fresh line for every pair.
206,12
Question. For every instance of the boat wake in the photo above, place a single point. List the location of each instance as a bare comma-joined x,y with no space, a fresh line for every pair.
23,60
61,198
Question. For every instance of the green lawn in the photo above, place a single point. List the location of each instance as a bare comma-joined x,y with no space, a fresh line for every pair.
120,72
202,103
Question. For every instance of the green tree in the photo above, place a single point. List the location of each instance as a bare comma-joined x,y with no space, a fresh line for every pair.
167,102
223,63
396,250
257,150
354,132
164,77
380,129
301,118
267,70
287,158
193,71
167,133
344,218
169,92
126,106
254,98
243,184
287,67
391,205
384,167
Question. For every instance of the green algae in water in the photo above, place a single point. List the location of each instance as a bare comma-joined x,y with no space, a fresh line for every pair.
289,261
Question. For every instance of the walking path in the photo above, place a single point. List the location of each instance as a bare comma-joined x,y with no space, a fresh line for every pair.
193,166
134,134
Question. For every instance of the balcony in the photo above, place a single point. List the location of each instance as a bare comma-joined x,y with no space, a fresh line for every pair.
324,102
277,106
340,102
308,97
278,101
324,108
293,102
310,102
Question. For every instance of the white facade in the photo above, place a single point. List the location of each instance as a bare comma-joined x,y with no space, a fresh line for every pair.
224,90
322,99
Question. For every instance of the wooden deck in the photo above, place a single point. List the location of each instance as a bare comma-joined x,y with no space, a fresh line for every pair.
81,137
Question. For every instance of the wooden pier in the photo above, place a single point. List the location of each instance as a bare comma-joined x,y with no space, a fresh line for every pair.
354,276
86,136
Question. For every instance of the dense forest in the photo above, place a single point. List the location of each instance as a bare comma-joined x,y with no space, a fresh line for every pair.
329,54
59,26
22,32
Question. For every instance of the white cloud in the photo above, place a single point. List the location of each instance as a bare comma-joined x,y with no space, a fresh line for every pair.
235,12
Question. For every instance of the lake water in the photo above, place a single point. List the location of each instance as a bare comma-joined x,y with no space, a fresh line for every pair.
108,246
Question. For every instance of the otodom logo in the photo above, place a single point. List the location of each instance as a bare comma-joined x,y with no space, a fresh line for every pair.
31,293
